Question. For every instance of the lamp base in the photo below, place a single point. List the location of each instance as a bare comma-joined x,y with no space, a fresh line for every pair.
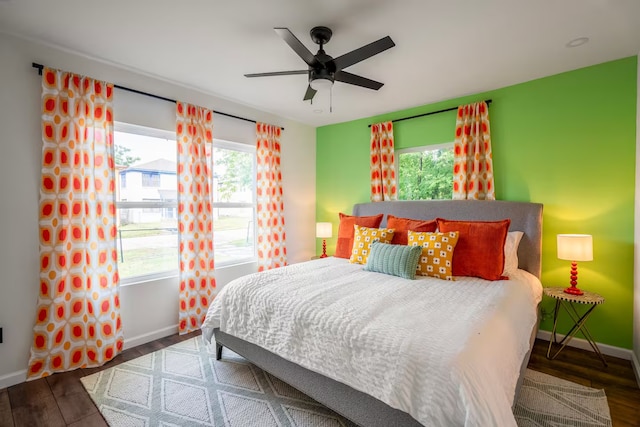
324,249
573,291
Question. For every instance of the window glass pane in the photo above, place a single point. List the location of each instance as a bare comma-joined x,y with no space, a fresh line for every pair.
147,235
150,179
233,176
147,241
425,175
233,234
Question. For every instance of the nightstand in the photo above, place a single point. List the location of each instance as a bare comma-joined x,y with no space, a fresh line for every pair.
569,302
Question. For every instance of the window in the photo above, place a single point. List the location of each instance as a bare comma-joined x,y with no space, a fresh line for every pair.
146,203
425,173
234,202
150,179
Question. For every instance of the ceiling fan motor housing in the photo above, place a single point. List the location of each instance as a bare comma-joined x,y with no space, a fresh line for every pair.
322,72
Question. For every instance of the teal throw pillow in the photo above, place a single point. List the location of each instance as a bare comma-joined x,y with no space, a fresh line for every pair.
396,260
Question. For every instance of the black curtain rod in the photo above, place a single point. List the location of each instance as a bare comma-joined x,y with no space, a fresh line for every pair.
139,92
488,101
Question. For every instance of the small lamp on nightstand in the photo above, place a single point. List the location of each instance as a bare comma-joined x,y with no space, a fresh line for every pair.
324,231
574,248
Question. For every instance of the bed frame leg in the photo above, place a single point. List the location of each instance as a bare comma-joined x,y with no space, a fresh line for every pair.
218,351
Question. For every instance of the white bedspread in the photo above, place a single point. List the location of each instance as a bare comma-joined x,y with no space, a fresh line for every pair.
448,353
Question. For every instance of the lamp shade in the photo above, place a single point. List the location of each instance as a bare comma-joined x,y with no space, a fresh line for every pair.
575,247
324,229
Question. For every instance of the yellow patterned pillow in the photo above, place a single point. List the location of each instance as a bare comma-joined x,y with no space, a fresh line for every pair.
437,253
362,240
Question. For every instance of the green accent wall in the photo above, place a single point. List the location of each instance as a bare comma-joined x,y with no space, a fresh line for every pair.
567,141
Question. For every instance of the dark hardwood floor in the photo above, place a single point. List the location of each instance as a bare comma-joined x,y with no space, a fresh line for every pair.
60,400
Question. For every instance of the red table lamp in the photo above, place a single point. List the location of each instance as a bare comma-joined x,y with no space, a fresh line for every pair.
574,248
324,231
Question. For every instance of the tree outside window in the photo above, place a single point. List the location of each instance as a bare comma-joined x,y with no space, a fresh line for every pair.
425,173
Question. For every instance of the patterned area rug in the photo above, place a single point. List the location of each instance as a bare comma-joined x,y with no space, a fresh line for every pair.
549,401
183,385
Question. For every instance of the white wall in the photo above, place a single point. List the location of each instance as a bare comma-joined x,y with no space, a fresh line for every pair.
636,238
149,310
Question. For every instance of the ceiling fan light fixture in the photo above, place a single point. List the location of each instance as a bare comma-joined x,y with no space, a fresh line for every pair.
321,84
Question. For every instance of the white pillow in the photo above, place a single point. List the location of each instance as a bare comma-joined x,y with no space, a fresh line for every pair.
511,252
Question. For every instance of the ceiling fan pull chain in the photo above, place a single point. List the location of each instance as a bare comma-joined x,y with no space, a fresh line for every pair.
331,99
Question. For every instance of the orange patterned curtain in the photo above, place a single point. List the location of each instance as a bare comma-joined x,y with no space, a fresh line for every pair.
78,314
272,251
472,158
194,133
383,168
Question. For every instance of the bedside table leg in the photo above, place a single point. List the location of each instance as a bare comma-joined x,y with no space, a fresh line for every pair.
553,338
579,326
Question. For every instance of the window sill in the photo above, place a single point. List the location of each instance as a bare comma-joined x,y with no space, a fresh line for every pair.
148,278
174,274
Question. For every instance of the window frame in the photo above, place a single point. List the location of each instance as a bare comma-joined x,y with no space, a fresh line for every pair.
420,149
155,133
217,143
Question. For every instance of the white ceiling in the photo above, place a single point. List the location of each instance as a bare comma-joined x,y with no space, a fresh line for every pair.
444,49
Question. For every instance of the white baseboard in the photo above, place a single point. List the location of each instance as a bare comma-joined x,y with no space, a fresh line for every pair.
151,336
18,377
636,367
13,378
583,344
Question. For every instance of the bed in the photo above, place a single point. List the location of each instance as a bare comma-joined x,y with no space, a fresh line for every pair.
348,345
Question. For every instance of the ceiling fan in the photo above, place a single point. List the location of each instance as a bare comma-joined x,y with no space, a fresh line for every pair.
323,69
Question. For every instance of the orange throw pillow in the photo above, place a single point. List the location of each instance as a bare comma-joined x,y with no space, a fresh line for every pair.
480,248
402,225
346,231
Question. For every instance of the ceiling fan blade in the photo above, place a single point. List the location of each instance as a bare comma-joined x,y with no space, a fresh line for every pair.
278,73
344,77
297,46
363,53
310,93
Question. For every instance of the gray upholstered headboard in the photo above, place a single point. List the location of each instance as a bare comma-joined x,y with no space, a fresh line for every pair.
526,217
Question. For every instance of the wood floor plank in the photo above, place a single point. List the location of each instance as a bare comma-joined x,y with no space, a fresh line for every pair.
560,374
149,347
76,406
65,383
33,404
6,418
94,420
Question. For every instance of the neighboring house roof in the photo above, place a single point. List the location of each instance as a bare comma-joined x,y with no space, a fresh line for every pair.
158,165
